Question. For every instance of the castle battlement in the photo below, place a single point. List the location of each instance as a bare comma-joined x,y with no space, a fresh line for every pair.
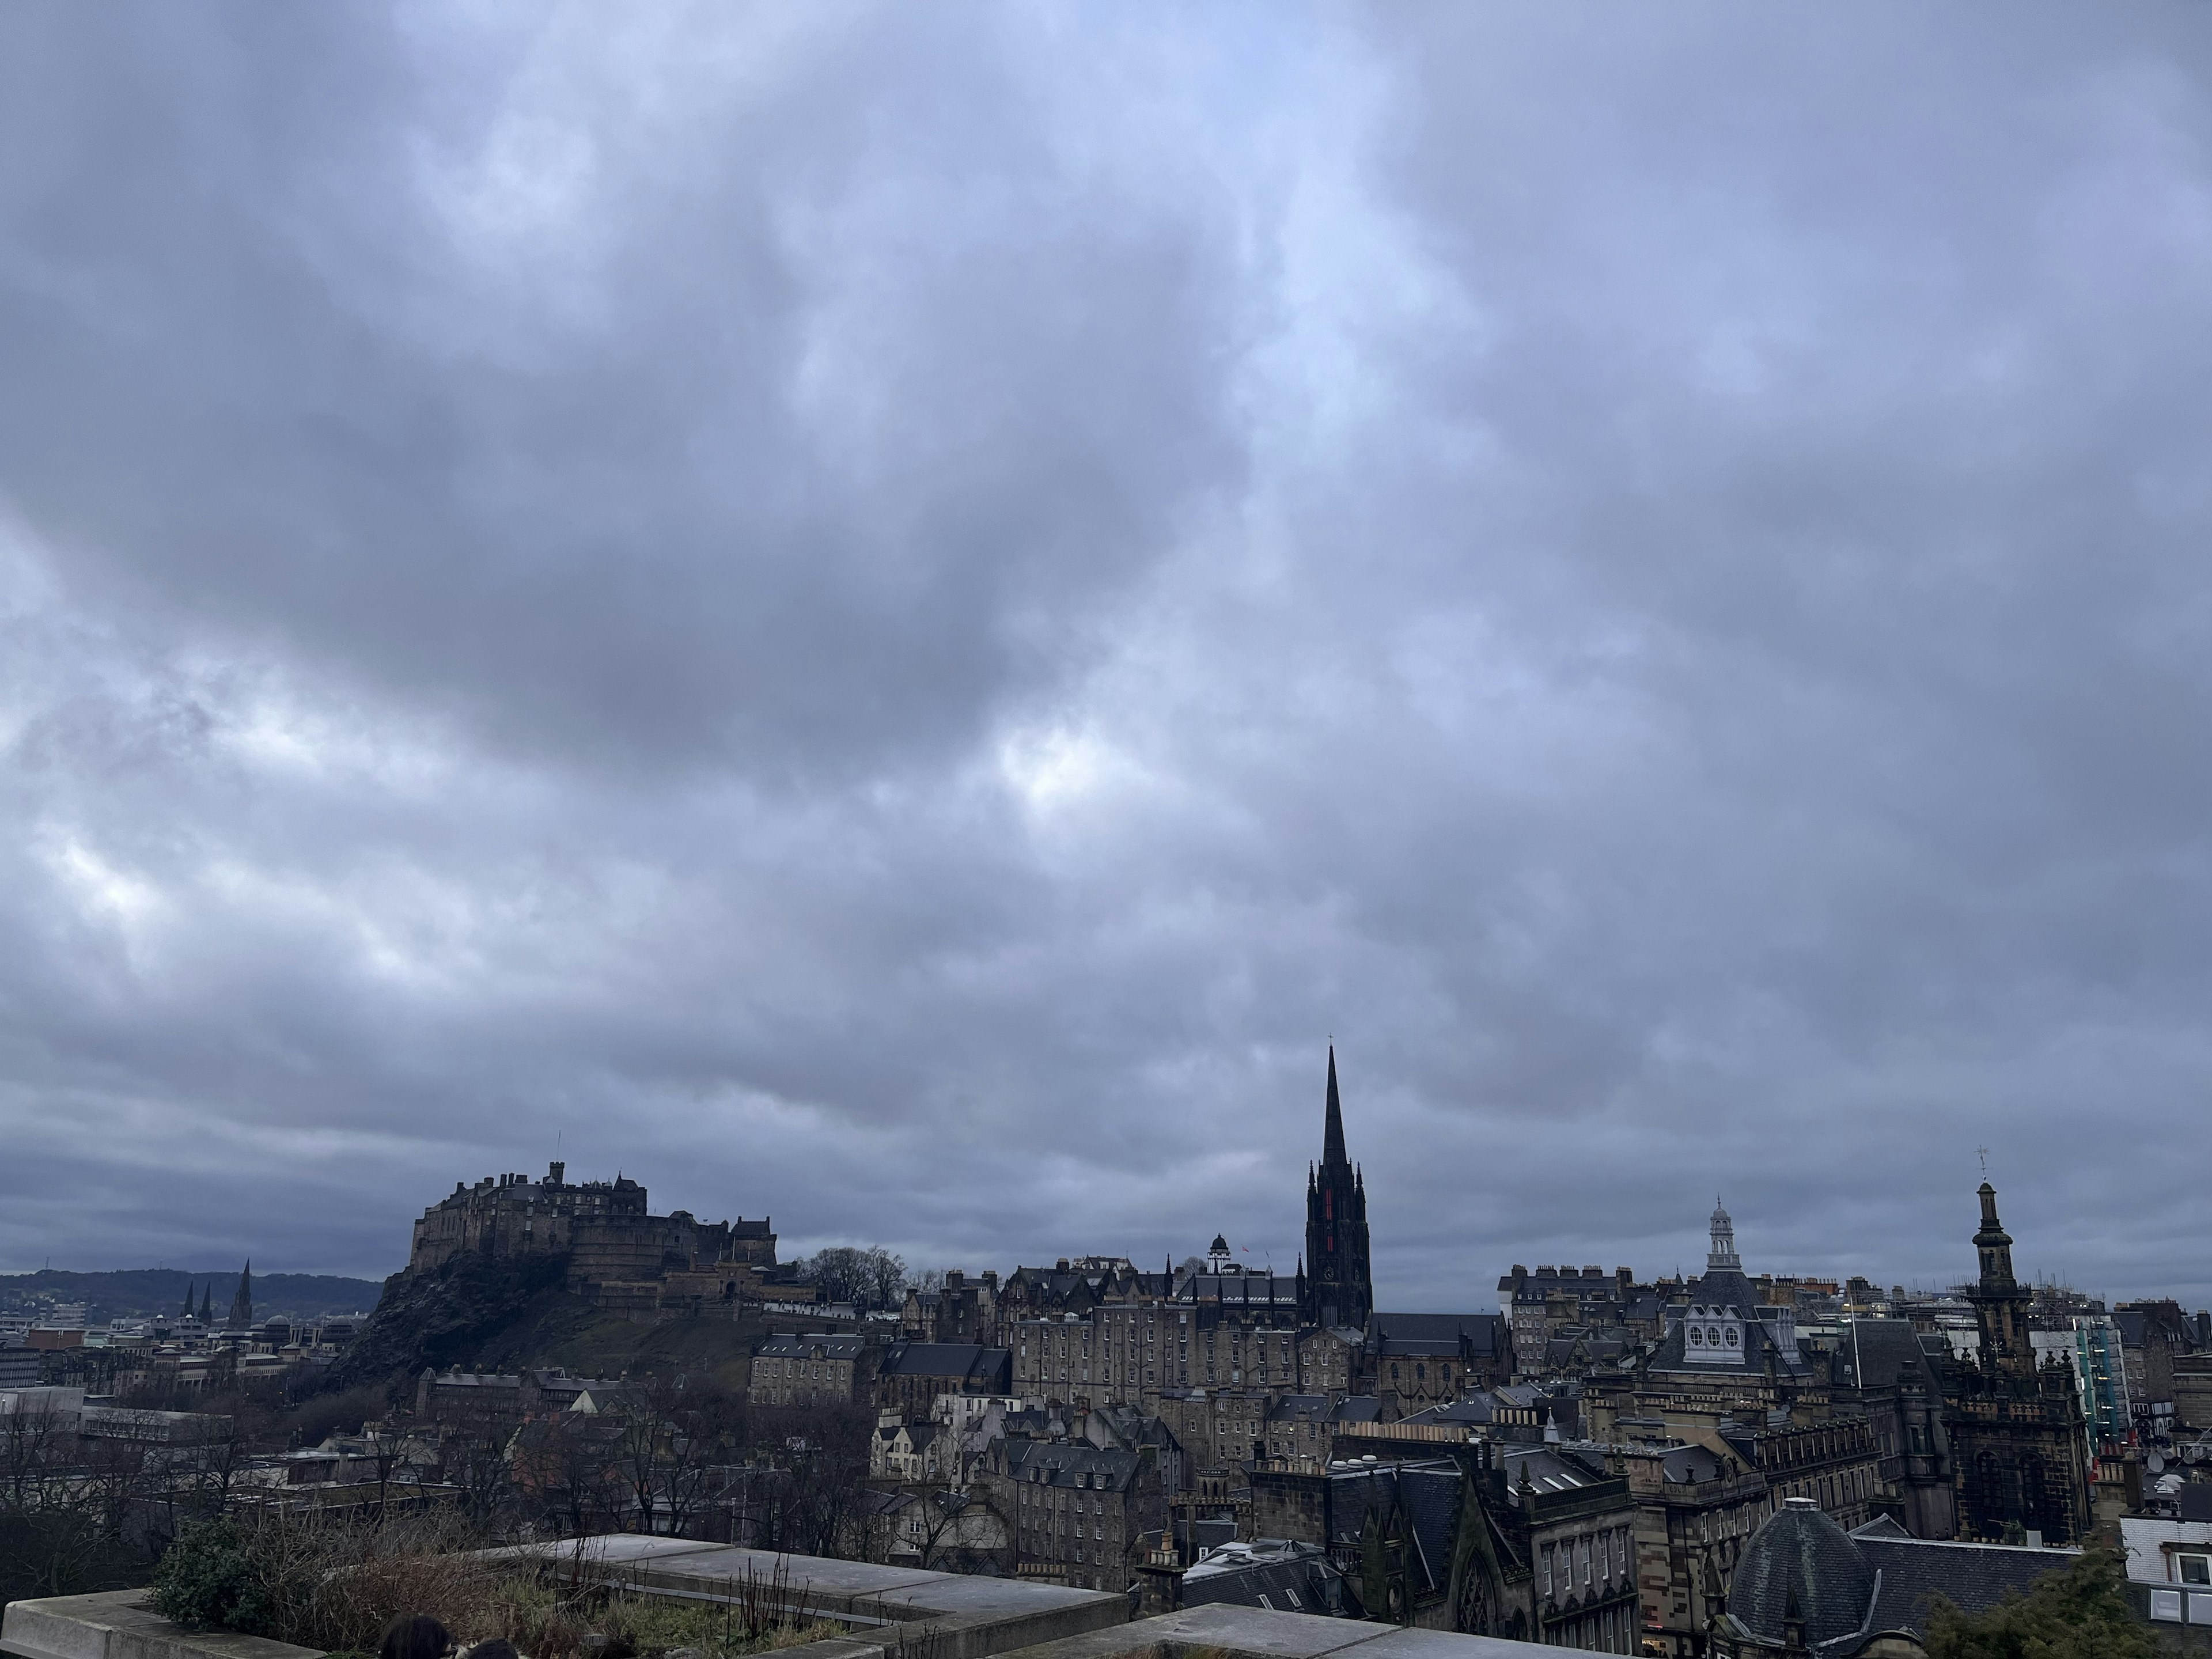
619,1253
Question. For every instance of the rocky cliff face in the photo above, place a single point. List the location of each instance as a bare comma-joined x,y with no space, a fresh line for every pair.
442,1317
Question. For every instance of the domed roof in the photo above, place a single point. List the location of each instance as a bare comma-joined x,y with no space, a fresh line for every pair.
1220,1245
1801,1555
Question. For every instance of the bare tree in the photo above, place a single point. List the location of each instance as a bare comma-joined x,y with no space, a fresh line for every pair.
870,1279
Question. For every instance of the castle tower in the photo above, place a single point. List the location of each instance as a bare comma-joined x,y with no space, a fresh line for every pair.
1336,1289
241,1305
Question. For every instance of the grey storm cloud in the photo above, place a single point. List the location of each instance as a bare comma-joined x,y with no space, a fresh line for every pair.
893,615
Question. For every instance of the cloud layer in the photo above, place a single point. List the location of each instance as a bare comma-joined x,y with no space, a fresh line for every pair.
892,615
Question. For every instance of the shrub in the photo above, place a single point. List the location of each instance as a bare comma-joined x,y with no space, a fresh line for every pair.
2082,1612
211,1578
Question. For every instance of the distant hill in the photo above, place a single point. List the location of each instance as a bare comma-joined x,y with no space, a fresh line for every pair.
136,1292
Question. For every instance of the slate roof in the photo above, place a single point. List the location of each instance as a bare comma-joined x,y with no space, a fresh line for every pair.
1548,1470
1060,1462
1291,1407
1270,1573
1758,1343
968,1360
1471,1409
1850,1588
1877,1353
1257,1289
1480,1332
1974,1575
1801,1562
1430,1492
788,1346
1686,1465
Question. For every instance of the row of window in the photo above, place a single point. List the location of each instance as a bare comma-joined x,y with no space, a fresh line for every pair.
1595,1557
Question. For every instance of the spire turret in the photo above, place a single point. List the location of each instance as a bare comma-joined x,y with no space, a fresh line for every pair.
1723,1256
241,1305
1332,1135
1993,1244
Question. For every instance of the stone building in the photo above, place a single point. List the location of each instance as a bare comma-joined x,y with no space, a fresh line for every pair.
1542,1307
1075,1509
1885,1372
1420,1360
459,1398
961,1309
912,1375
1527,1543
2015,1426
1335,1285
791,1370
1696,1509
1725,1354
618,1253
1222,1327
2155,1333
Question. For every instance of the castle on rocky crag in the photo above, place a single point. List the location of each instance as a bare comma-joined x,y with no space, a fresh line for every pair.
625,1259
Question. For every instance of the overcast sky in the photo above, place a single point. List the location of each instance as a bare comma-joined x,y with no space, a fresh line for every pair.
890,616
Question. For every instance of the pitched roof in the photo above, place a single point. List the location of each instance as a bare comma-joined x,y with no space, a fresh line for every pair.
962,1359
1482,1333
789,1346
1069,1464
1975,1576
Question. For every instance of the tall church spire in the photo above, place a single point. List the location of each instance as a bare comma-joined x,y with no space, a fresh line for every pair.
1332,1136
241,1305
1336,1291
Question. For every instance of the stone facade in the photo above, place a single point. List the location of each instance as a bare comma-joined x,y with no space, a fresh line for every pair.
1075,1509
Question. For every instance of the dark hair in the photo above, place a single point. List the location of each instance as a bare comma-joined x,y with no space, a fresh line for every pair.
414,1636
498,1648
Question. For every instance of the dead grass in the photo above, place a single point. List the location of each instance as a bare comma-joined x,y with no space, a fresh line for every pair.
337,1588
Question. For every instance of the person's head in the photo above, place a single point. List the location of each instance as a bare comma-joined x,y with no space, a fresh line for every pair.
415,1635
498,1648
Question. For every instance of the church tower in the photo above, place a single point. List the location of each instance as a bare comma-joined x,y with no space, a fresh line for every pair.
2000,1302
1334,1287
2020,1449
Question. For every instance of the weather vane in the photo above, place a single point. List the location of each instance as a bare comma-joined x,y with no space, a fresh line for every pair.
1983,1152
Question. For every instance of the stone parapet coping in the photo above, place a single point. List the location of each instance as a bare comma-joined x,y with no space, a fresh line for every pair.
1240,1633
120,1625
946,1615
903,1614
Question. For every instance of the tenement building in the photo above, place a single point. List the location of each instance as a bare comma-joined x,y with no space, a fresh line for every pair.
2018,1442
1075,1509
618,1253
